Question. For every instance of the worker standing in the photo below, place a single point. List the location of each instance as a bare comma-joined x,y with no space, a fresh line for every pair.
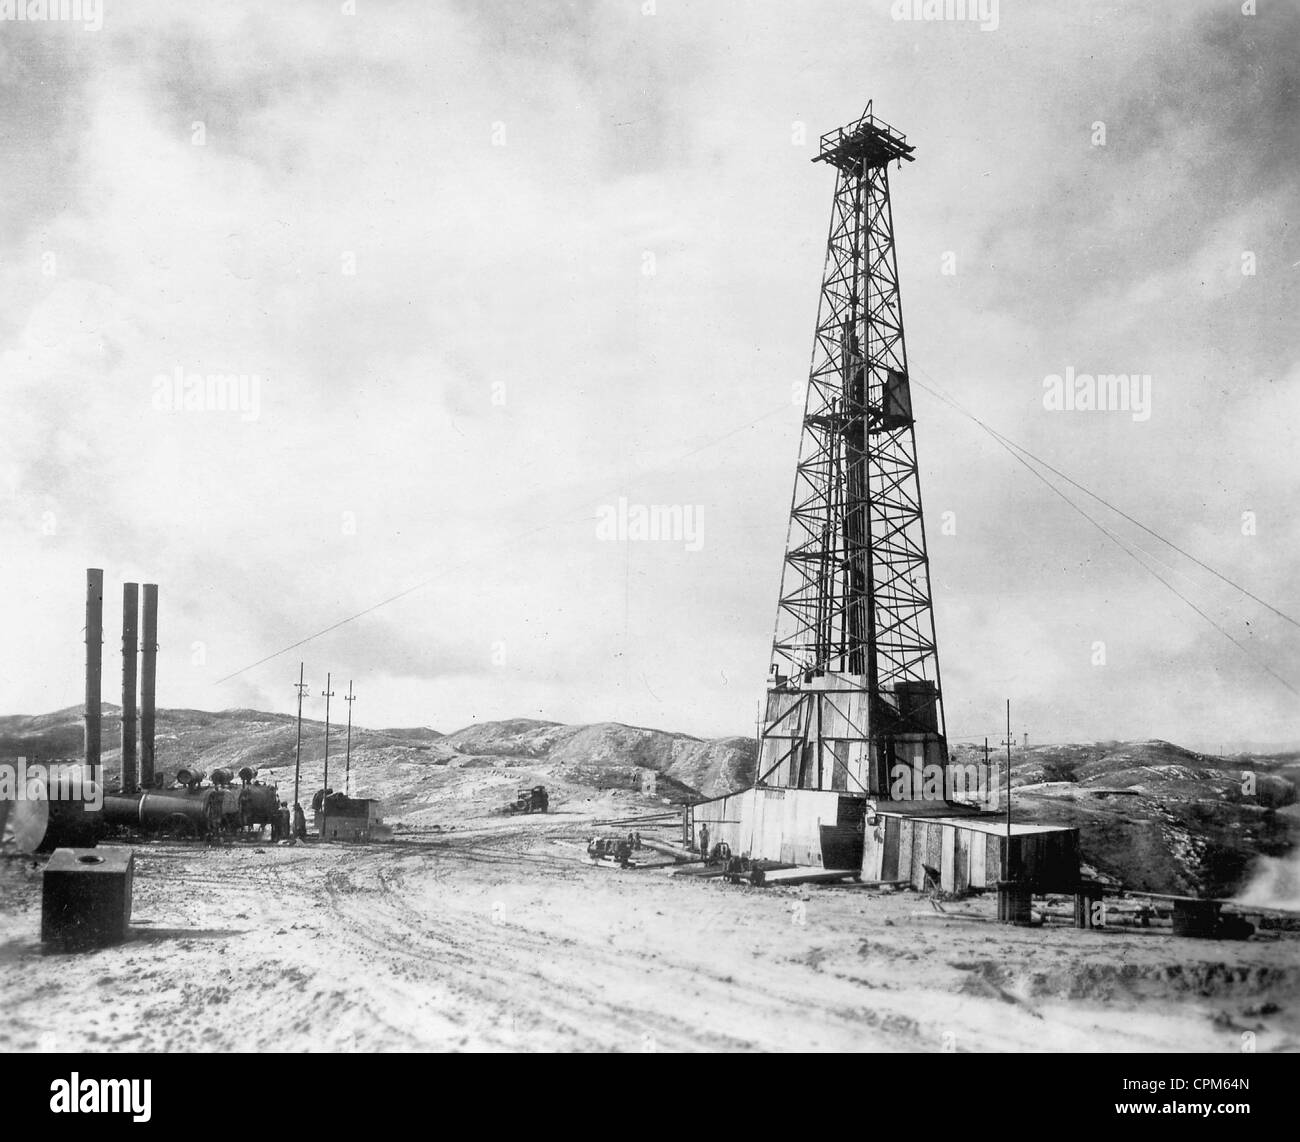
704,841
299,822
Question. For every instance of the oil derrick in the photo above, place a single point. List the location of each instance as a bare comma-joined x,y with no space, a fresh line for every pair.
854,686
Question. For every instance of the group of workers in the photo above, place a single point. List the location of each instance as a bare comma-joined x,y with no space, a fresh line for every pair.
280,827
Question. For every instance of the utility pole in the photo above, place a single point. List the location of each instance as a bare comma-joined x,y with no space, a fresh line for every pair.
327,694
297,764
349,698
1009,876
988,773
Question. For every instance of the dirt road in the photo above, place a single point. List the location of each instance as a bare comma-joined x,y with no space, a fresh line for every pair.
507,938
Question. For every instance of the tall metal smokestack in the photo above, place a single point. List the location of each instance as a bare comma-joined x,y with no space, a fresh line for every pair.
130,649
94,665
148,679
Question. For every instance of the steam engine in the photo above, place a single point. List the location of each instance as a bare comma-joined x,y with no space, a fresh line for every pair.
191,809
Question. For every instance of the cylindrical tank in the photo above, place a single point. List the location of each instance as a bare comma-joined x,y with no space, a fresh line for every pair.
163,809
186,811
1086,911
261,803
221,777
1015,902
247,774
23,824
189,777
230,805
73,821
122,809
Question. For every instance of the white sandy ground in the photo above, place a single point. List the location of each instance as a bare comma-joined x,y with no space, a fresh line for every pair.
501,935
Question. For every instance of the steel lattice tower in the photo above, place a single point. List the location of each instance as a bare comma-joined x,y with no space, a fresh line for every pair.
854,687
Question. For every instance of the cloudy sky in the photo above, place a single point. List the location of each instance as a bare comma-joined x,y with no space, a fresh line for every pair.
488,267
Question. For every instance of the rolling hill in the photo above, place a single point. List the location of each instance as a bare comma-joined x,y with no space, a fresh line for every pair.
1151,815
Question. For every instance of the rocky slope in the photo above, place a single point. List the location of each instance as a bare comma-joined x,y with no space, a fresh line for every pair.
1158,817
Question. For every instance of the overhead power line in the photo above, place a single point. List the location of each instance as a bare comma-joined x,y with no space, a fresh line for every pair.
1013,450
512,540
1006,441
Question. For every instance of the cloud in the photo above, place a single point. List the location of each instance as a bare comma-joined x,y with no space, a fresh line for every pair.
494,266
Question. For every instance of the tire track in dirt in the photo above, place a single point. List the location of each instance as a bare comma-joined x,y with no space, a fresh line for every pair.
504,939
583,982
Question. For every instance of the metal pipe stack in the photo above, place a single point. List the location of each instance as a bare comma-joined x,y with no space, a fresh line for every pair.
130,650
94,666
148,681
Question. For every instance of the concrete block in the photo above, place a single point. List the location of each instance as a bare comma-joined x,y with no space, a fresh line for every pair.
86,897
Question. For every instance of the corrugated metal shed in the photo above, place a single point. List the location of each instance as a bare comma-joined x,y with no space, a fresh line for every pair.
823,829
781,824
969,853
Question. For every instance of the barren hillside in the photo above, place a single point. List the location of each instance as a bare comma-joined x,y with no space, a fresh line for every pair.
1152,815
1158,817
